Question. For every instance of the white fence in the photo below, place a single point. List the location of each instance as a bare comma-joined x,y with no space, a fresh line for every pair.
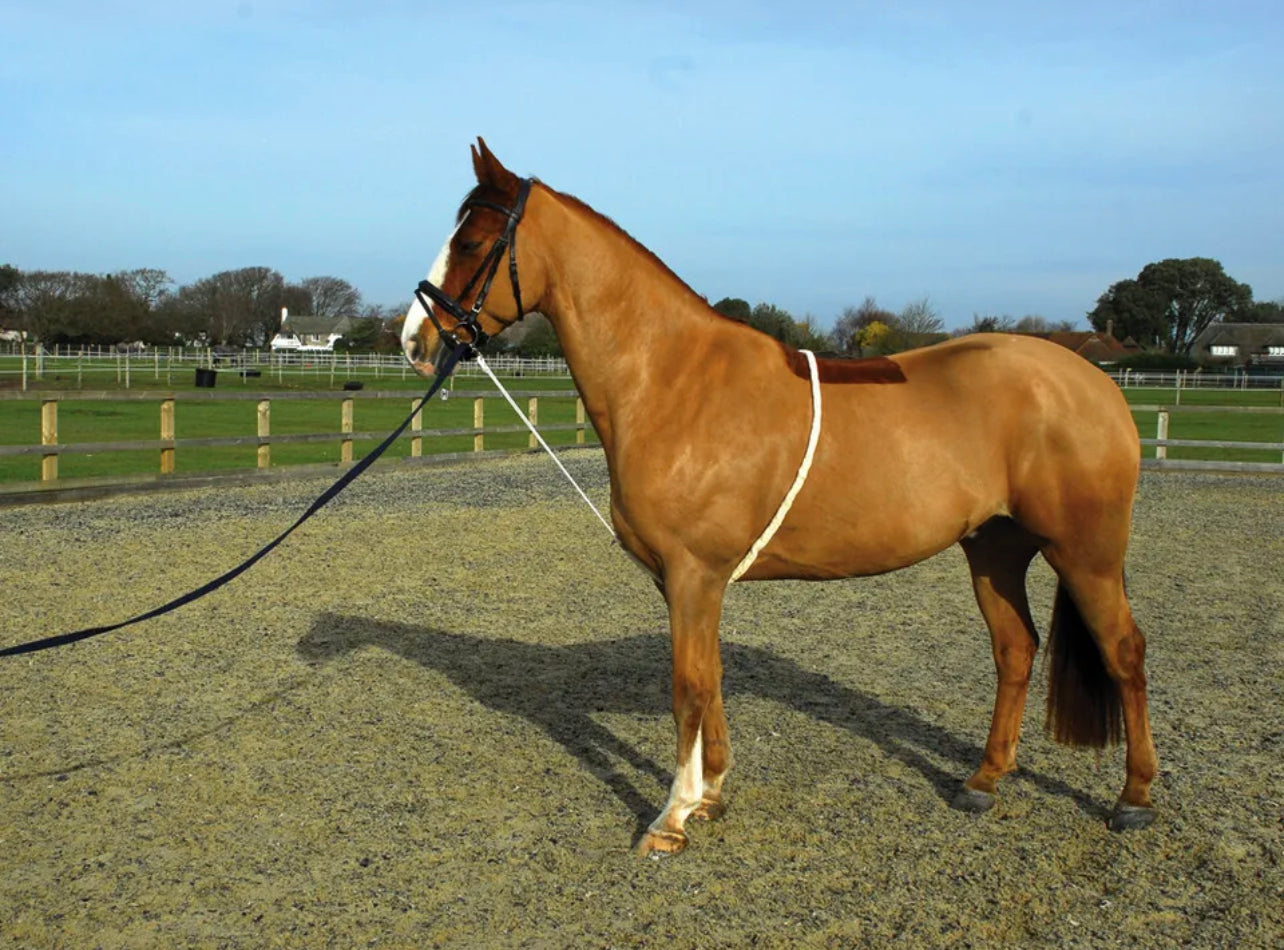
169,363
92,365
1184,379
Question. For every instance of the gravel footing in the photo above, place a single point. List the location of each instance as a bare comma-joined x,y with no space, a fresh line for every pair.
438,716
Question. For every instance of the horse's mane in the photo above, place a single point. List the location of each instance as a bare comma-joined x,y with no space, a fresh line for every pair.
645,251
870,370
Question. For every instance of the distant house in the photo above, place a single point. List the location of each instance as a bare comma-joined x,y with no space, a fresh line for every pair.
1099,346
1241,344
309,334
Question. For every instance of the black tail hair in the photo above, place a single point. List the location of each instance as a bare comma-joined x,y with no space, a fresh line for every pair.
1084,707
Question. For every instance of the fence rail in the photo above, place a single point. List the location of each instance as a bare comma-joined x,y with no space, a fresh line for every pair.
168,364
1162,443
50,449
38,363
1179,380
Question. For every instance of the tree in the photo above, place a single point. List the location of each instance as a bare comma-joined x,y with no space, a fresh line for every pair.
845,337
1171,302
45,302
533,337
295,299
920,317
871,338
1036,323
987,323
362,337
238,307
1264,311
735,308
773,321
808,335
331,296
10,276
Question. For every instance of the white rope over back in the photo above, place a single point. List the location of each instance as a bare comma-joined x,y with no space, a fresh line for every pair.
781,513
799,480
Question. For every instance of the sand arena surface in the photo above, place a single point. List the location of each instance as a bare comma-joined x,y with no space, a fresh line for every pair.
438,716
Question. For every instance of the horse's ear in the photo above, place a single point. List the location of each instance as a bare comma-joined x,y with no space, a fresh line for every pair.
489,169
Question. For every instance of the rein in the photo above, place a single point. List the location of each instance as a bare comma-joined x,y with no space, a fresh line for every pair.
456,353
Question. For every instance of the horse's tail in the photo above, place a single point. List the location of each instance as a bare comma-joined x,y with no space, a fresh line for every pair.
1083,701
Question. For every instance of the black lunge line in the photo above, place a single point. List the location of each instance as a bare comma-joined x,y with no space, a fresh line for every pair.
444,370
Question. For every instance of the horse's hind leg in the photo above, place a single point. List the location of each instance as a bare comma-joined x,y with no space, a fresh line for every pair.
1097,634
999,555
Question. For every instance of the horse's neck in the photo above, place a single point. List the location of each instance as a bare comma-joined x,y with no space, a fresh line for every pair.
628,327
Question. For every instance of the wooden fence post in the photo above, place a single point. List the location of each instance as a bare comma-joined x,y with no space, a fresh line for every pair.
265,430
416,425
532,413
479,421
345,426
1161,432
48,436
167,433
579,420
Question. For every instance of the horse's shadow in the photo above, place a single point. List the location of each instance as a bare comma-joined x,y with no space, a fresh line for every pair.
560,688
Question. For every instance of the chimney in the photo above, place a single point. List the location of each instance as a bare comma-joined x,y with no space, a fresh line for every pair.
285,312
1110,327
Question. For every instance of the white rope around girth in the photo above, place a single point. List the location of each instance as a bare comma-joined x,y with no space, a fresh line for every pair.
481,361
799,480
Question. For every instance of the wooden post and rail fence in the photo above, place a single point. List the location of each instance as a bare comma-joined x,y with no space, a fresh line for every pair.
168,444
1162,443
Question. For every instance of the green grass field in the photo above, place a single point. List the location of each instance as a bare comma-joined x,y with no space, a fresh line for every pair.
81,421
1186,422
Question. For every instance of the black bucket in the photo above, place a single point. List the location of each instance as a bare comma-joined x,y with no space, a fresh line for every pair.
205,378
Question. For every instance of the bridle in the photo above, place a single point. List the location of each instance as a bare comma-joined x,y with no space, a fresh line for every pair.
467,332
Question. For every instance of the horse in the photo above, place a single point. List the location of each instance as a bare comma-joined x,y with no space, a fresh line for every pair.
1009,446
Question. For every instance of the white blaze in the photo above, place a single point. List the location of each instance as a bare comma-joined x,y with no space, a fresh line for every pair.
416,315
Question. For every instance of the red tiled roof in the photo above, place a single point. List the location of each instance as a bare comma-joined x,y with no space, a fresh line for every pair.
1090,344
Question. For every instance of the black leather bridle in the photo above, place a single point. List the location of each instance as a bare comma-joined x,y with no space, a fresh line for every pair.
467,332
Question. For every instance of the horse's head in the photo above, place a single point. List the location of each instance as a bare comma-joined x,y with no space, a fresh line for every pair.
473,290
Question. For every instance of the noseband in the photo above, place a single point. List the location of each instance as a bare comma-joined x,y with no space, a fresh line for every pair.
467,331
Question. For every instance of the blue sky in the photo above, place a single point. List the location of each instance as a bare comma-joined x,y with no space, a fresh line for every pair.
997,158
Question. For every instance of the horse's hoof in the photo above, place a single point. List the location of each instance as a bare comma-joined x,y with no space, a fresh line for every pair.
709,809
1130,817
661,842
972,801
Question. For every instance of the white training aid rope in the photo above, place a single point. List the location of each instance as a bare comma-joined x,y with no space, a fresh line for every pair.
799,479
481,361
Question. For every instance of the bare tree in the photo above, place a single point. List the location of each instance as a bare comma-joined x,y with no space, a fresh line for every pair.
989,323
1036,323
920,316
332,296
845,337
240,307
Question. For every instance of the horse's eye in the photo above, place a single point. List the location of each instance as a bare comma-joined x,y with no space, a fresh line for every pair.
470,247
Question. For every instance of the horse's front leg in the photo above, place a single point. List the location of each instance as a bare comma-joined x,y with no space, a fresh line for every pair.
694,596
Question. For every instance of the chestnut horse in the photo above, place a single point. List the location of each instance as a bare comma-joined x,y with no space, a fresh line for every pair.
1009,446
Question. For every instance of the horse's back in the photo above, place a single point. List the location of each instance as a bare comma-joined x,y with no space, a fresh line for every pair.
984,426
